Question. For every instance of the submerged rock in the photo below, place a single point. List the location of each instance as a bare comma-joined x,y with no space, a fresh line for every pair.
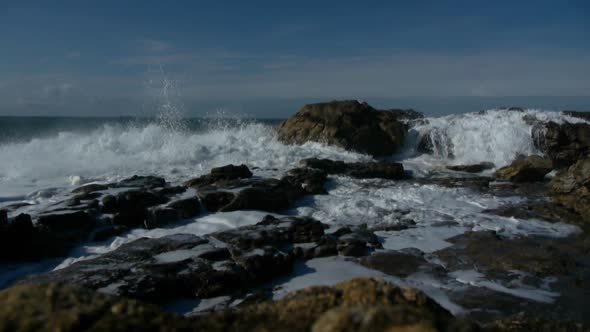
525,169
361,170
348,124
571,188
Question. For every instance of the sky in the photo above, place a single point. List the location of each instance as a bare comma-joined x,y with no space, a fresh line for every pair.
103,58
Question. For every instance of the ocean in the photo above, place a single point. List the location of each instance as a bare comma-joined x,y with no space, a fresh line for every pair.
42,159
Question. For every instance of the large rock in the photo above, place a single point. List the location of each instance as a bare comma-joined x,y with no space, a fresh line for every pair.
571,187
578,114
527,169
347,124
60,307
563,143
355,305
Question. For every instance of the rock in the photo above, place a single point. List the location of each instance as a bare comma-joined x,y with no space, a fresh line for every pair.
221,263
395,263
3,218
436,141
348,124
88,188
355,305
61,307
405,114
66,221
220,174
146,182
497,255
542,210
527,169
172,212
361,170
311,180
473,168
571,188
523,323
563,143
577,114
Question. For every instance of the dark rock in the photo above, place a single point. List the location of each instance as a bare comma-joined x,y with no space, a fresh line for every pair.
108,231
220,174
474,168
571,188
161,216
395,263
311,180
362,170
216,200
221,263
3,218
542,210
88,188
348,124
578,114
497,255
405,114
66,221
523,323
564,143
527,169
146,182
22,223
109,204
186,207
436,141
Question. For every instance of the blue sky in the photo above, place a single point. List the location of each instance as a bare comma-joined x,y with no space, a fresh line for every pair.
114,57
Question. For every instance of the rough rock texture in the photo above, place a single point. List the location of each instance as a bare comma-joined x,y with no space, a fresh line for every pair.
222,263
578,114
348,124
473,168
563,143
60,307
239,191
355,305
362,170
527,169
524,254
571,188
525,323
220,174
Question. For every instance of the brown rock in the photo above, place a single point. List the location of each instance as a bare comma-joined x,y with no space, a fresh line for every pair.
347,124
527,169
571,188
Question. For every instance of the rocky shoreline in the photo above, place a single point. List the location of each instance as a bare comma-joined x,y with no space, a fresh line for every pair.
126,288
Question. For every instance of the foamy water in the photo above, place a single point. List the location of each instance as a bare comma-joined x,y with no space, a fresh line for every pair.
43,169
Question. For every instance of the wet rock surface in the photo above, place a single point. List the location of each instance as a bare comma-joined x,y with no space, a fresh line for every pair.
361,170
473,168
525,169
563,143
571,188
347,124
222,263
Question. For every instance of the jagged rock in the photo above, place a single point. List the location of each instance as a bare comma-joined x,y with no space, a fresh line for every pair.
172,212
221,263
61,307
474,168
66,221
355,305
563,143
260,194
146,182
220,174
571,187
362,170
348,124
3,218
527,169
530,255
578,114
